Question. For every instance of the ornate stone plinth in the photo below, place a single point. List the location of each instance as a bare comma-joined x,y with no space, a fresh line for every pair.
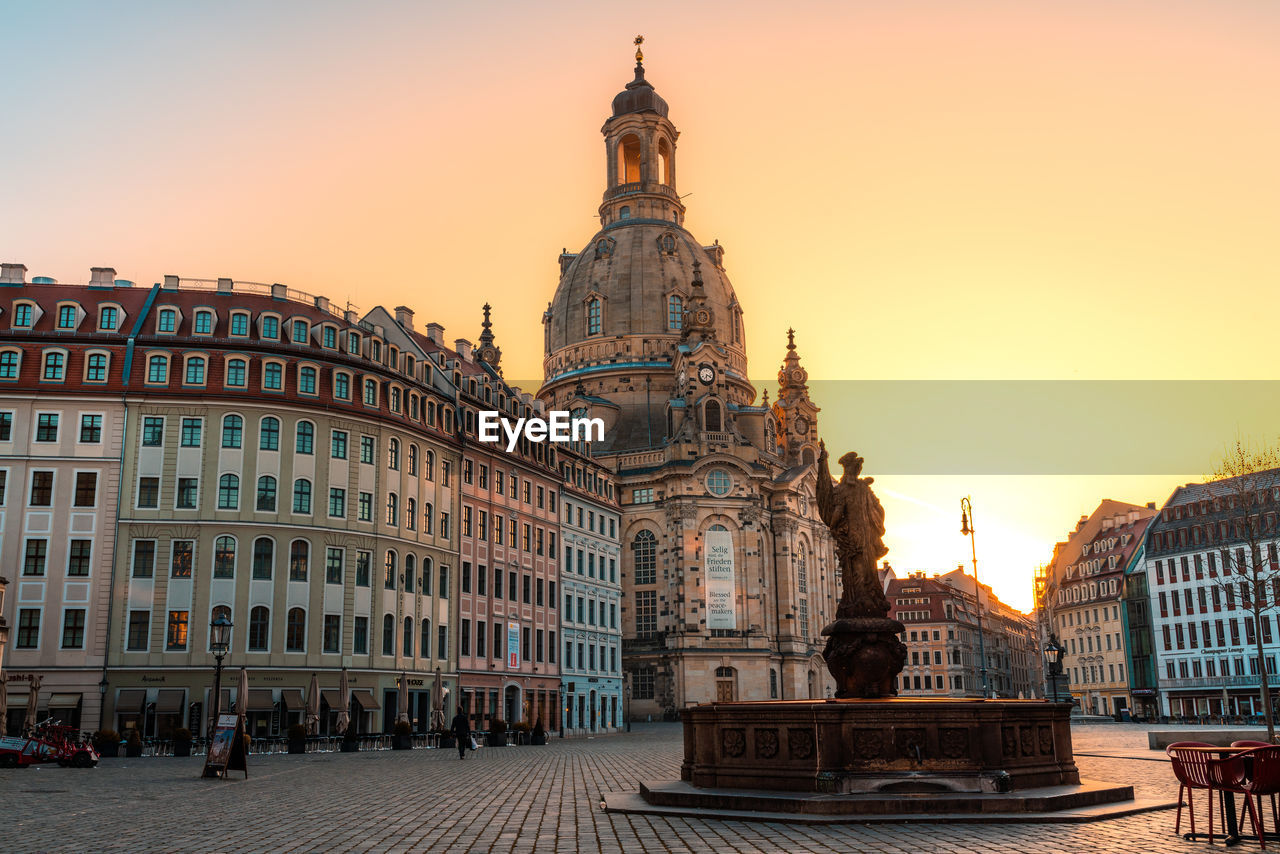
864,656
889,746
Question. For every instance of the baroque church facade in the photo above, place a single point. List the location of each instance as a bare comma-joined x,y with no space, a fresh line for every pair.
646,333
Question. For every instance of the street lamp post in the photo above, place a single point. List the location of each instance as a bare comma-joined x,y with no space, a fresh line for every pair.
102,699
219,643
1053,663
562,710
967,529
627,710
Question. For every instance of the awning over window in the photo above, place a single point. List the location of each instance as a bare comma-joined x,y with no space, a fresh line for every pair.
131,700
293,701
260,700
332,698
64,701
365,699
170,701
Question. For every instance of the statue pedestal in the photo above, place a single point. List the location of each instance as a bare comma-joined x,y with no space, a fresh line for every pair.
865,656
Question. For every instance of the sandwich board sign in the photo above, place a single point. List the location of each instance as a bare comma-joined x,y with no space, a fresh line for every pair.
226,750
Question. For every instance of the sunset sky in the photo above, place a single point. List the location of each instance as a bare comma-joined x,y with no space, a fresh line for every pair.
924,190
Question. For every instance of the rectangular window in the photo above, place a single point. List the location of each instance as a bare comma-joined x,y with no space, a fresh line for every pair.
54,363
360,636
139,629
144,558
6,426
364,563
333,566
187,493
464,639
338,445
78,557
646,613
28,629
342,386
152,432
91,429
337,503
366,450
148,492
73,628
480,640
191,432
176,636
35,557
332,633
183,557
442,642
41,489
365,509
47,427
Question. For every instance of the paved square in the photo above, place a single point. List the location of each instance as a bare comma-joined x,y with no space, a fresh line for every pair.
519,799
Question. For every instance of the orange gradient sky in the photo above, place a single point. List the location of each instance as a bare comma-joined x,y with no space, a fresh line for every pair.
933,190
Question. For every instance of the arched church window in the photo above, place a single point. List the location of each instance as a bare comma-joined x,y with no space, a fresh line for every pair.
711,417
671,422
802,568
602,248
806,457
668,244
629,159
664,161
593,316
645,549
675,311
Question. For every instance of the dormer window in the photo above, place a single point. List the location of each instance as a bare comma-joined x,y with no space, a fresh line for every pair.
353,342
604,248
23,315
168,320
271,327
66,317
331,338
300,331
375,350
593,316
204,323
240,323
667,243
108,319
675,311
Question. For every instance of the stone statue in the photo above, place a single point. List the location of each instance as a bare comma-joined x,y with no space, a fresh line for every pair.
856,519
863,651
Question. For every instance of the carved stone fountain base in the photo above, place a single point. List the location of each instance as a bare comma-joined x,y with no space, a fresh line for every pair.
864,656
895,749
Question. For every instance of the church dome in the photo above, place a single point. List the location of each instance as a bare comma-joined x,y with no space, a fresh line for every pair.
639,97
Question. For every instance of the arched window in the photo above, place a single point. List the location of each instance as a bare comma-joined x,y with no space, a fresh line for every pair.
394,402
232,431
195,370
220,611
239,323
425,644
9,362
393,509
229,492
802,568
408,637
711,418
237,373
629,159
388,635
266,494
55,363
675,311
645,549
307,380
665,162
431,413
426,576
299,560
302,496
430,465
224,558
96,368
264,550
259,629
305,440
389,581
593,316
393,454
168,320
295,634
413,460
269,435
411,514
273,376
410,570
624,212
428,518
204,323
370,392
158,369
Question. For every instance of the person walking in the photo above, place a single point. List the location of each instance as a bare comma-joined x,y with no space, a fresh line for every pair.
462,732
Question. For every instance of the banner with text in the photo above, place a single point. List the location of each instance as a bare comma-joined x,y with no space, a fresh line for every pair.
513,645
721,613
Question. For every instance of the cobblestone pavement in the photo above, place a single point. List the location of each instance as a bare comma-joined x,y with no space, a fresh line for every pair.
520,799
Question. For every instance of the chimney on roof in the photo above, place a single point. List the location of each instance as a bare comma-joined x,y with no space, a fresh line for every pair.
279,291
102,277
225,286
435,333
170,283
350,317
1081,523
13,274
1151,505
463,348
322,303
404,317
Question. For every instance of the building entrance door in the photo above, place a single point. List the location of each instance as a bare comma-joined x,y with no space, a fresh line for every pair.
726,685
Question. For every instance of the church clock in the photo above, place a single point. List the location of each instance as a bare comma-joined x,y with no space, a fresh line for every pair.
706,374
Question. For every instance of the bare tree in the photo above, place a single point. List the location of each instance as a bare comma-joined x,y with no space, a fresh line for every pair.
1243,496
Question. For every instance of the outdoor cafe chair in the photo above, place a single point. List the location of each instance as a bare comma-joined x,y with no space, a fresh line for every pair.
1230,774
1263,781
1192,770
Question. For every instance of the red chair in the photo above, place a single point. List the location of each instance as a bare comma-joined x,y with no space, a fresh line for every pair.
1264,780
1230,775
1191,767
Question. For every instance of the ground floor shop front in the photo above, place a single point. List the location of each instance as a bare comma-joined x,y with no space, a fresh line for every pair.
157,702
592,704
1235,702
69,697
514,699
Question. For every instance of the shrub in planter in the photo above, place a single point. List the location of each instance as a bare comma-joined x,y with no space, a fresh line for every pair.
497,732
107,742
182,742
133,747
521,731
297,739
402,737
539,735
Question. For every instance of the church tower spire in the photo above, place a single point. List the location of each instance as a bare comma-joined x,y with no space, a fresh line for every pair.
796,413
640,155
488,352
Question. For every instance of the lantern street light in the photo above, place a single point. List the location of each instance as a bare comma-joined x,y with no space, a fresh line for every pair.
103,684
967,530
1053,663
219,643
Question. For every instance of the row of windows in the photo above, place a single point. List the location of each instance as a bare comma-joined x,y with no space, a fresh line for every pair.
569,564
417,573
536,540
69,315
528,590
42,490
587,615
1194,636
27,635
35,557
47,427
1231,562
1200,668
590,523
536,645
507,483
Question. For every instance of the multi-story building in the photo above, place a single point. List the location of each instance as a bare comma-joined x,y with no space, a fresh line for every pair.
942,616
63,351
1082,604
1201,585
645,332
591,668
